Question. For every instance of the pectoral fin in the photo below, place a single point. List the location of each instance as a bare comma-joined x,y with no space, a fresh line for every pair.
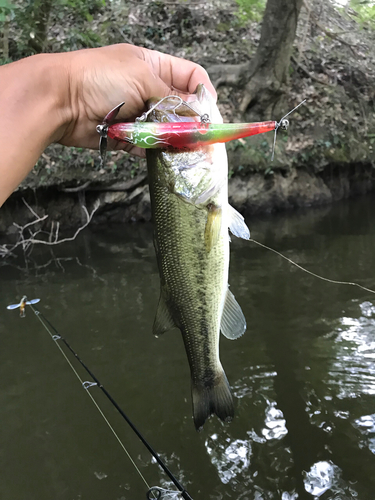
163,319
233,322
213,226
237,224
215,185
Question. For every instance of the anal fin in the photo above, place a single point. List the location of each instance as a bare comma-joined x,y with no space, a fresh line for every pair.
233,322
163,319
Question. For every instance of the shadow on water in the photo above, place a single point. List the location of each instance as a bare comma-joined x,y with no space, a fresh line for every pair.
303,374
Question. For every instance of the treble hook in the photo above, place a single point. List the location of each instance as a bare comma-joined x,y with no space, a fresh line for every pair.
204,118
283,124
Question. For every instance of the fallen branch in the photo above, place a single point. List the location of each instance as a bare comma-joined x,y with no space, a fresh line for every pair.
53,235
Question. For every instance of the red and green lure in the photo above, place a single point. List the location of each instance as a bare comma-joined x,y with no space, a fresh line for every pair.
180,135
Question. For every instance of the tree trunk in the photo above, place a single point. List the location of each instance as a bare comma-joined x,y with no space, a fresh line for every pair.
6,39
265,77
40,17
270,68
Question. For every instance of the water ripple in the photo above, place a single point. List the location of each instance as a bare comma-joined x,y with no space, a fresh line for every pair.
353,369
366,426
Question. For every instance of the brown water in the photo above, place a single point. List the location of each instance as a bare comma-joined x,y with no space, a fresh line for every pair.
303,374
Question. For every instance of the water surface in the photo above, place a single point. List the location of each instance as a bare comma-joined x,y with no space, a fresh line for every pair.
303,374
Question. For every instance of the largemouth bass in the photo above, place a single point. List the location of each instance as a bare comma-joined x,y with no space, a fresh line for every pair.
191,214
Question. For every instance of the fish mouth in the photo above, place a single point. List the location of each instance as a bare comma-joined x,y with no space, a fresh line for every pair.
194,107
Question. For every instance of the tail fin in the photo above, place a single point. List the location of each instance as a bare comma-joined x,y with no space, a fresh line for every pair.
212,398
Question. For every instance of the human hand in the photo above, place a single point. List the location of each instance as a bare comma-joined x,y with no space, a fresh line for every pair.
63,97
99,79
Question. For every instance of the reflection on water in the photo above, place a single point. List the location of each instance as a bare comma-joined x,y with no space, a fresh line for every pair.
303,375
356,355
259,375
351,369
320,478
275,424
324,477
229,458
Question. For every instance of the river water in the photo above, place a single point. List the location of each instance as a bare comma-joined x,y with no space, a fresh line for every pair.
303,374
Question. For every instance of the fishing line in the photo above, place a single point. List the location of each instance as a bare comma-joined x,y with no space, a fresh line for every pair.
310,272
86,385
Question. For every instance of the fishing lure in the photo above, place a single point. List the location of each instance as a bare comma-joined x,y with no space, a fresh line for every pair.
22,305
179,135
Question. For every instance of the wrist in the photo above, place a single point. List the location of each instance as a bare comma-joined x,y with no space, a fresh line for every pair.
35,111
34,94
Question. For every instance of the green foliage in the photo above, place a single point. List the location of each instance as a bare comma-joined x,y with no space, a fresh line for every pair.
365,12
35,25
6,8
250,10
83,8
79,39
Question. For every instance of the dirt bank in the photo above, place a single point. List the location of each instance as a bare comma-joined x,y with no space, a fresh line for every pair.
129,201
327,154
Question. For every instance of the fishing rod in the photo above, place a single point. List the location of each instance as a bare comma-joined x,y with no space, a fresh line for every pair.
86,385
